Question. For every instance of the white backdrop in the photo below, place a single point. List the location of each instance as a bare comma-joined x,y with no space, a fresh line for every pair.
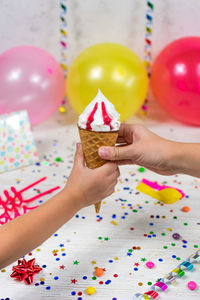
92,21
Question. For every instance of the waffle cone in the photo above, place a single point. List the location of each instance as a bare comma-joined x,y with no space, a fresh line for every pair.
91,141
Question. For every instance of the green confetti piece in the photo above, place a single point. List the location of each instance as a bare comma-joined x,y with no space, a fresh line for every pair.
58,159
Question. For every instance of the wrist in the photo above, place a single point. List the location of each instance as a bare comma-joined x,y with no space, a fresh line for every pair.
179,158
73,197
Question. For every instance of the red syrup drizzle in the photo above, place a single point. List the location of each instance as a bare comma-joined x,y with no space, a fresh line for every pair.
107,120
91,117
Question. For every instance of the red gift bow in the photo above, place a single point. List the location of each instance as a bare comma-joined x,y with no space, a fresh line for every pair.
25,270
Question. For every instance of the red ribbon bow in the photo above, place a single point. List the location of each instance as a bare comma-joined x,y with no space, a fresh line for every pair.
25,270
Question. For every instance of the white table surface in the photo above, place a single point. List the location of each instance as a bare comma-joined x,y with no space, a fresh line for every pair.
80,236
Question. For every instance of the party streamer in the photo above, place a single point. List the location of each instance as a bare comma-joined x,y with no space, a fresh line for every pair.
14,204
63,44
148,43
162,283
63,31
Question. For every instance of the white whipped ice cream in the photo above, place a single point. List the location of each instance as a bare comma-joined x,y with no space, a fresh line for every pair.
99,115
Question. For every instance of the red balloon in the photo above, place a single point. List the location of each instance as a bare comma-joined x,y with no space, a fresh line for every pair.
175,79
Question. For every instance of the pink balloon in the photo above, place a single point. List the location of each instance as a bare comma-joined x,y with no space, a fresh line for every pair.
31,79
175,79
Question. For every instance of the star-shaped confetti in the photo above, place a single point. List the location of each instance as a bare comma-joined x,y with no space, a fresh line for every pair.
25,270
76,262
137,264
73,281
62,267
143,259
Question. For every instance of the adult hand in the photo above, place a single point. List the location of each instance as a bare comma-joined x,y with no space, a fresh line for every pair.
142,147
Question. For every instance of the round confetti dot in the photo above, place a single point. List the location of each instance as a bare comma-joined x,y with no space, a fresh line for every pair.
150,264
79,298
176,236
84,277
185,209
140,283
165,247
141,169
94,278
48,288
80,293
115,275
107,282
192,285
149,283
160,259
100,282
62,109
135,269
56,277
73,293
58,159
90,290
196,246
99,272
114,298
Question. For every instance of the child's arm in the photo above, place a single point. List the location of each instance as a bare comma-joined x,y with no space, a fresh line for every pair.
84,187
143,147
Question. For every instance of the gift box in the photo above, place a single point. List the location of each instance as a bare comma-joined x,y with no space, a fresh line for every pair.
17,146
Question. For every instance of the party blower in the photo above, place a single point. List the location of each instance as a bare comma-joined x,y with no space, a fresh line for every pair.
98,126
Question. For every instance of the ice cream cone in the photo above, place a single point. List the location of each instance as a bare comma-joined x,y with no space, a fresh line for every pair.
91,142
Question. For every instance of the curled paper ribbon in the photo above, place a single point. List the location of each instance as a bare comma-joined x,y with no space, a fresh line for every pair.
161,285
63,31
152,294
148,43
148,35
170,278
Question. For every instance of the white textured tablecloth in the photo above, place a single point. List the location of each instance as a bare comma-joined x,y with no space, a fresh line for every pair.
85,242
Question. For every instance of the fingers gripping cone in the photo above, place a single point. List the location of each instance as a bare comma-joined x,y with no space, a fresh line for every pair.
91,141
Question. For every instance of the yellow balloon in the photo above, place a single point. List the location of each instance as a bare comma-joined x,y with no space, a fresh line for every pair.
115,70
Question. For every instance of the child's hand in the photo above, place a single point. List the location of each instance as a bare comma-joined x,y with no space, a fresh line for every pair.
143,147
89,186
